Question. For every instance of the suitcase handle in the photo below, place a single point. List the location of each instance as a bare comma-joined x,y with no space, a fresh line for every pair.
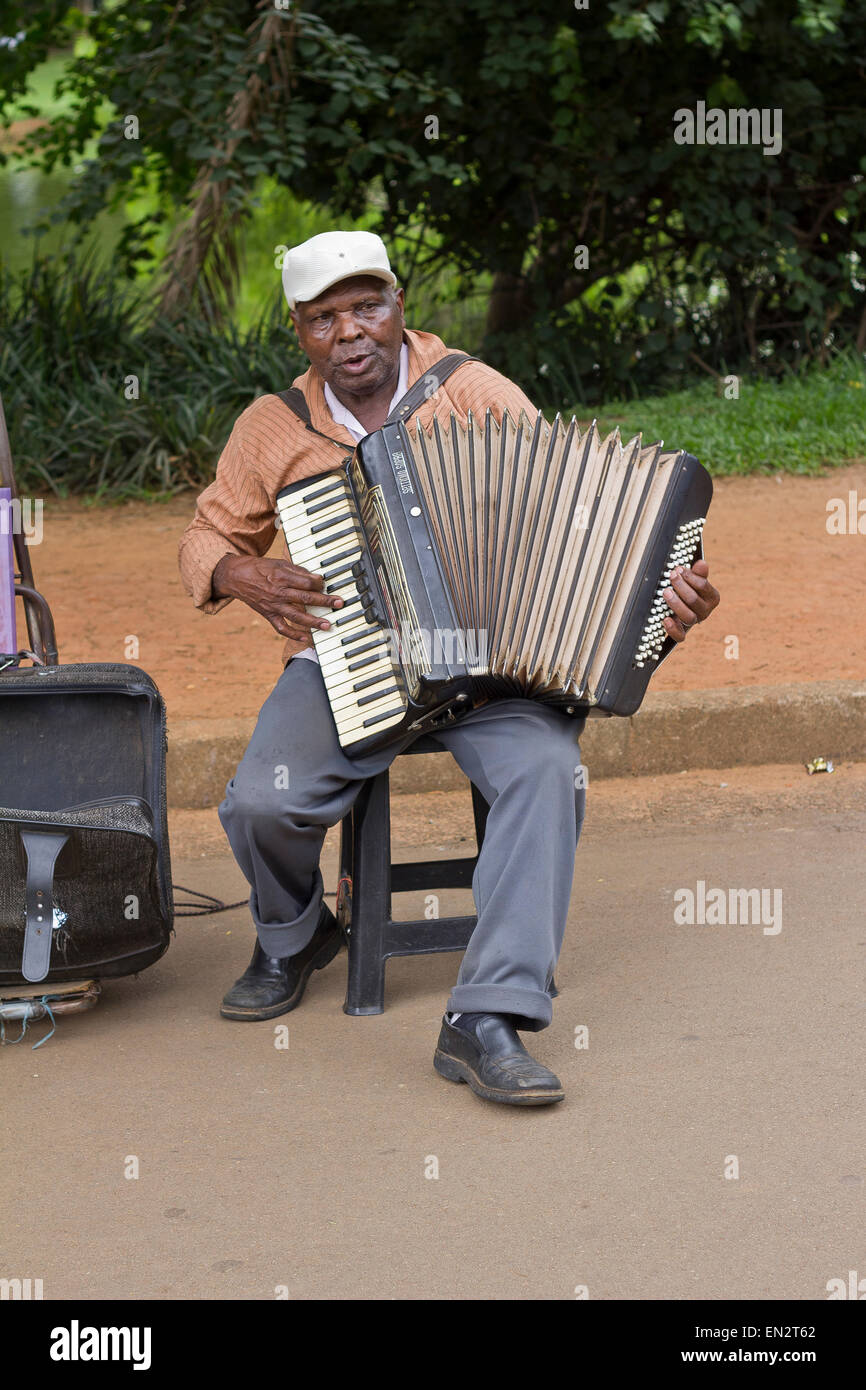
42,848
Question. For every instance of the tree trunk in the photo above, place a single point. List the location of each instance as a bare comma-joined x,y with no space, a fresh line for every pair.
511,303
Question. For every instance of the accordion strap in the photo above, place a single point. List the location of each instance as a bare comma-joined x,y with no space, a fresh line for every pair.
419,392
295,399
427,386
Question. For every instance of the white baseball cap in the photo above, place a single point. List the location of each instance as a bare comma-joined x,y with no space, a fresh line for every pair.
324,260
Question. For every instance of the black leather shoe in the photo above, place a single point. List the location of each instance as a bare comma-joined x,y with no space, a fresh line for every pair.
488,1055
273,985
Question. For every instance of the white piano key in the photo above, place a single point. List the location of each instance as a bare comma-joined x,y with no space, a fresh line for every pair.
361,651
337,631
340,661
305,525
343,694
301,521
340,680
336,670
329,486
325,543
352,729
312,557
305,498
338,533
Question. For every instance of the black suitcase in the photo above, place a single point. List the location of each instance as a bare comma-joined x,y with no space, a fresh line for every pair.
85,878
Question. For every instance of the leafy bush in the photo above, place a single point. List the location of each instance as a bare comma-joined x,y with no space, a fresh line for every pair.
70,344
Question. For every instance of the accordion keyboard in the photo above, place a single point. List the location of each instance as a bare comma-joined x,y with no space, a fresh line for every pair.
356,654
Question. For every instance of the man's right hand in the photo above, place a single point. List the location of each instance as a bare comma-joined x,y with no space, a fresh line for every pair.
277,589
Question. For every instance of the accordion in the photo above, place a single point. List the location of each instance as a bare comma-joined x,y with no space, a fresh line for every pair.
492,560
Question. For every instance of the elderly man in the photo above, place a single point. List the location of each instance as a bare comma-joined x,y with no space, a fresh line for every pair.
348,315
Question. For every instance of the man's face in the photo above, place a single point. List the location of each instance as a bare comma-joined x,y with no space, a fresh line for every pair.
352,334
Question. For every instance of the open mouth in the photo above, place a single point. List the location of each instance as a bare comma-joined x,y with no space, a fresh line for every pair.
357,364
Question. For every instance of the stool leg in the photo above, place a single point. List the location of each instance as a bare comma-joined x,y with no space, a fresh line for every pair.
371,898
343,907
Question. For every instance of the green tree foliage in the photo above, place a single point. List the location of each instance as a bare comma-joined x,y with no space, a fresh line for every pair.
715,252
205,98
555,132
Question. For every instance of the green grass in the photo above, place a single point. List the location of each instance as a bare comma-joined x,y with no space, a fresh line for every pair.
803,424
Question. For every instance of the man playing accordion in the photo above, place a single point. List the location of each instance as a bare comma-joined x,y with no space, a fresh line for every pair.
521,754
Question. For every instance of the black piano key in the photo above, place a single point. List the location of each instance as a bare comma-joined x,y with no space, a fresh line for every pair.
374,680
343,555
355,637
377,718
329,540
370,647
320,506
329,574
332,521
365,661
368,699
320,492
346,617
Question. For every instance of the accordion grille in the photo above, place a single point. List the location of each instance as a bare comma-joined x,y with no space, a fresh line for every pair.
542,534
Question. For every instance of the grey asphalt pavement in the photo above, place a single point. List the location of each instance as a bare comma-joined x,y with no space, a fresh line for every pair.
711,1143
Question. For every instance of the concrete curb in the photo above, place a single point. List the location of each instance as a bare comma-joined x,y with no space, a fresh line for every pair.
669,733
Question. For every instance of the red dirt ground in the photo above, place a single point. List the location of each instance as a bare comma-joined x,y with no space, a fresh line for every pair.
793,596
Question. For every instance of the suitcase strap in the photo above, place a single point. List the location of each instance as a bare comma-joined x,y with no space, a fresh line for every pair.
42,848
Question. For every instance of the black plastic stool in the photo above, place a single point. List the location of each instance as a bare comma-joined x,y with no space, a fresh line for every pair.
367,880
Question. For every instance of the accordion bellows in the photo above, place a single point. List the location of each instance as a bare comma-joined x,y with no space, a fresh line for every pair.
513,559
541,534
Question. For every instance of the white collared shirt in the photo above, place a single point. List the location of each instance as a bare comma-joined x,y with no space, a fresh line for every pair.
342,415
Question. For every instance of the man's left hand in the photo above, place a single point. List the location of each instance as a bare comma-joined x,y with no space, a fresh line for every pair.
690,597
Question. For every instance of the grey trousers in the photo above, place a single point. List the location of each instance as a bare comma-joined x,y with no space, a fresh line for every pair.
295,781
